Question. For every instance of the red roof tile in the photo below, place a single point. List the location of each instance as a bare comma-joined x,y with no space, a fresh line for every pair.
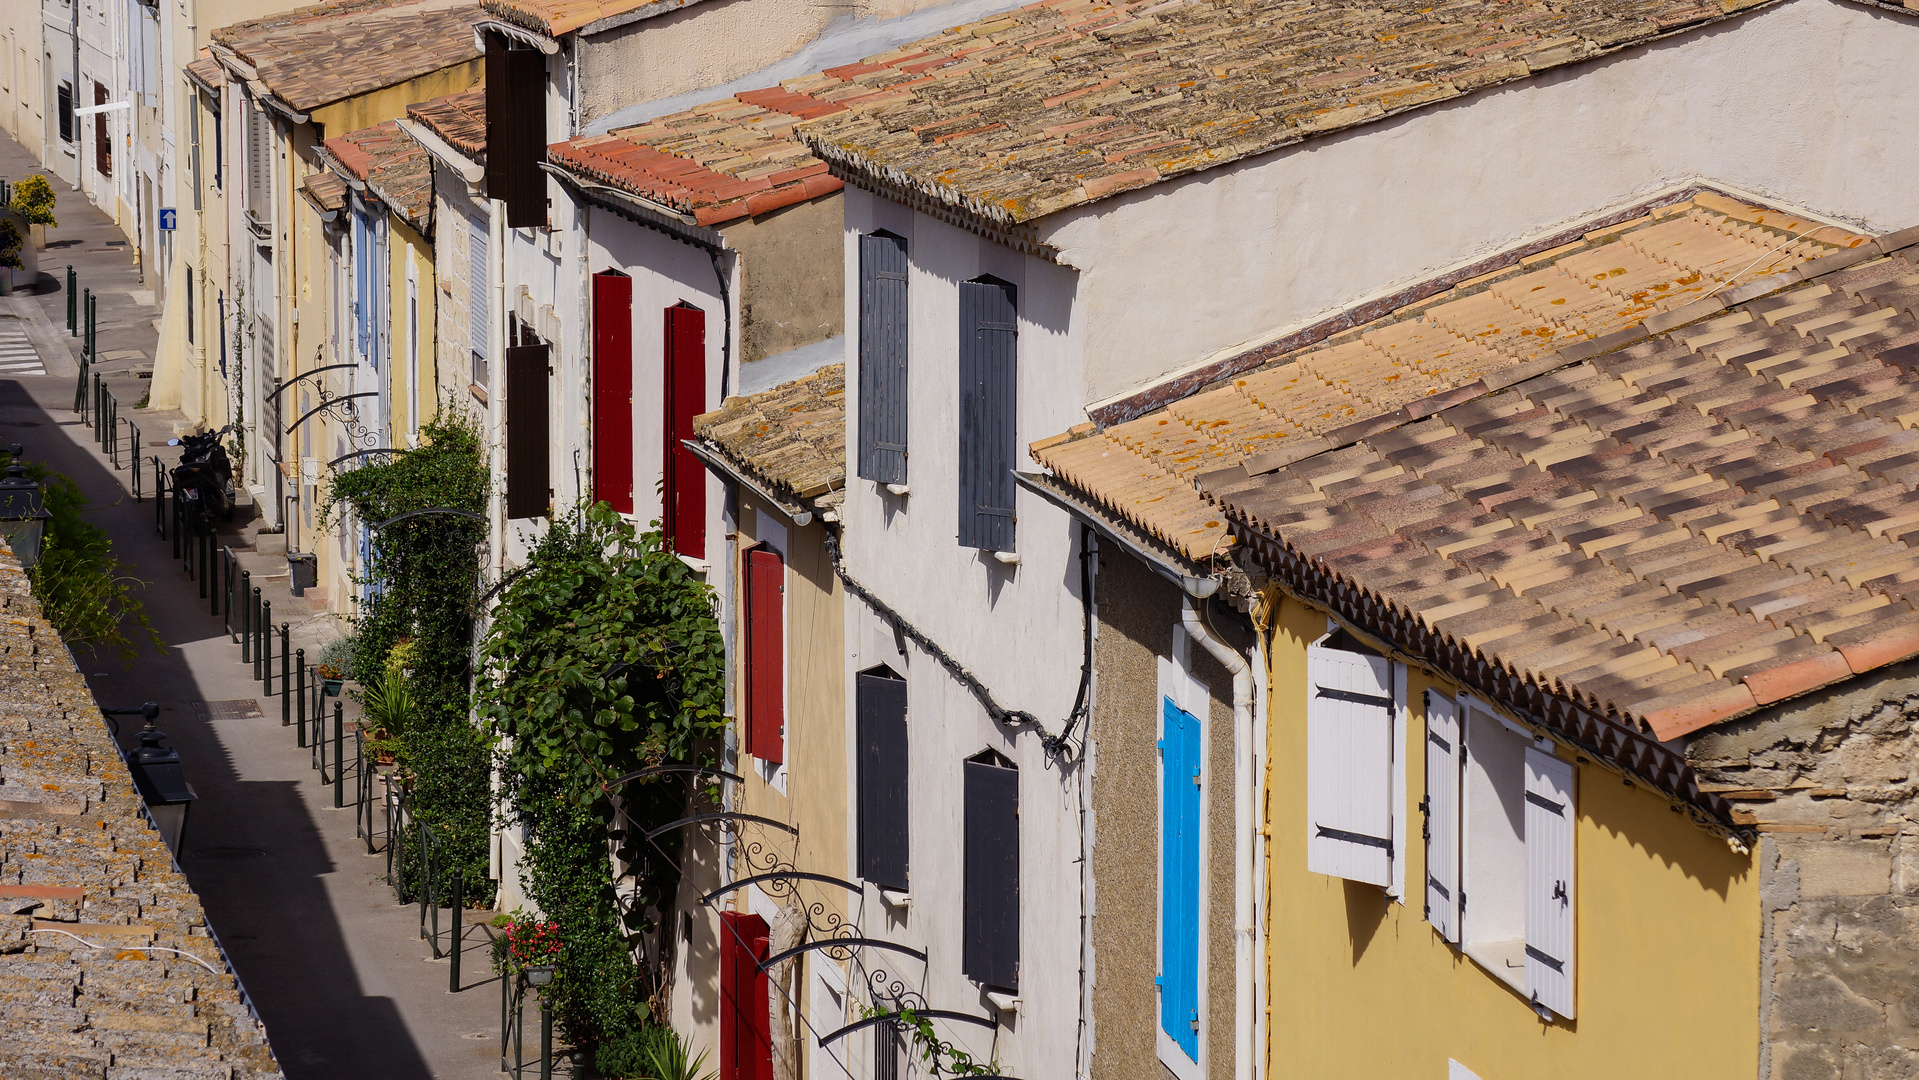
460,119
393,166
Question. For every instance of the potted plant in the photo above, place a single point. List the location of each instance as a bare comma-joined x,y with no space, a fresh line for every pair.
335,665
33,200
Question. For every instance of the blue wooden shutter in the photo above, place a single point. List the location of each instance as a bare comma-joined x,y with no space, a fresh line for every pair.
882,358
989,950
362,292
989,335
1179,877
880,708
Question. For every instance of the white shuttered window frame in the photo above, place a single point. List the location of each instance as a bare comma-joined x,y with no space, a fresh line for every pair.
1441,804
1550,923
1352,717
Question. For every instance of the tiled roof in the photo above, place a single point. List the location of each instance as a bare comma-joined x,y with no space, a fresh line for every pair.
460,119
792,438
325,190
78,859
1066,101
1679,529
723,160
556,17
313,56
393,166
207,72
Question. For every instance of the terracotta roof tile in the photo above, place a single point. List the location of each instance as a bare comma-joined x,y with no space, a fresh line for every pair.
393,166
79,860
1645,538
313,56
792,438
556,17
460,119
326,189
207,71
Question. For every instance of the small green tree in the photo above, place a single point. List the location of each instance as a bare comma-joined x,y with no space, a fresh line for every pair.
10,242
33,199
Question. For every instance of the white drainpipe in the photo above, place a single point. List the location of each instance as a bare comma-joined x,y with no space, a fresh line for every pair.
1245,794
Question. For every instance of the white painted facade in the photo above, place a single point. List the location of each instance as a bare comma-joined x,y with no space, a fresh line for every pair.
1793,103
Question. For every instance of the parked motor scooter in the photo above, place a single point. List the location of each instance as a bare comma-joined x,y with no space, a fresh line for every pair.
203,481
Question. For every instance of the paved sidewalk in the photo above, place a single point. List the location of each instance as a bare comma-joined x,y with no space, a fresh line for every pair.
335,966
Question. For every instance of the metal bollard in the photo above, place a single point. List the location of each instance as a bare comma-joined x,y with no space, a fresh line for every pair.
73,303
286,677
206,558
246,617
453,973
546,1039
300,665
339,724
86,315
262,641
159,498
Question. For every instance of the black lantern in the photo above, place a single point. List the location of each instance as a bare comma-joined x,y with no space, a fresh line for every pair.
23,515
157,776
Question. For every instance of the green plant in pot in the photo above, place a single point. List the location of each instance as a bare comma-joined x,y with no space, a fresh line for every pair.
335,665
651,1052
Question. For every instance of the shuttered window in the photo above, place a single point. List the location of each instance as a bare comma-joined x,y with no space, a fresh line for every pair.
363,279
516,130
746,1041
880,712
63,101
1443,751
683,491
989,952
988,353
1349,765
527,467
765,654
1179,750
102,134
479,301
1549,881
259,161
882,358
613,390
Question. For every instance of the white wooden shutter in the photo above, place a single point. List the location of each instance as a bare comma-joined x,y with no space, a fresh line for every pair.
1549,881
1442,814
1349,765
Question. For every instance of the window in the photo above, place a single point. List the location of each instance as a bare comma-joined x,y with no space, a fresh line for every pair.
880,715
63,104
1181,703
683,515
259,176
989,336
764,663
613,390
479,297
102,135
1499,809
412,352
746,1040
882,358
989,951
516,130
190,311
1352,763
527,467
363,281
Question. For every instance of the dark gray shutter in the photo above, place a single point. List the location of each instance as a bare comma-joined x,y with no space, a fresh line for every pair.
526,432
990,950
516,131
988,354
880,698
883,358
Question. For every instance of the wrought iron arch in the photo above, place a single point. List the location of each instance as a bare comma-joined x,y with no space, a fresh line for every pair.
720,815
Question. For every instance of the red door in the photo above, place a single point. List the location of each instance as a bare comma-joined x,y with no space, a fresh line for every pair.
683,517
746,1043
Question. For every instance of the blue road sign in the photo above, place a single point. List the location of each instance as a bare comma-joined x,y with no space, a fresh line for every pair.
168,216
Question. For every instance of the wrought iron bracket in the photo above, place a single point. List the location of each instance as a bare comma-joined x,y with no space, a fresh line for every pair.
780,875
842,943
278,390
365,453
936,1014
720,815
657,770
328,404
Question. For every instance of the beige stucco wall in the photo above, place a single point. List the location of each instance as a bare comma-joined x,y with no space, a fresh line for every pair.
793,266
21,93
1137,613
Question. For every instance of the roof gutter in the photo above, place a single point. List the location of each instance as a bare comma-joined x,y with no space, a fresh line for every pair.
470,170
729,471
327,217
518,33
333,163
1181,575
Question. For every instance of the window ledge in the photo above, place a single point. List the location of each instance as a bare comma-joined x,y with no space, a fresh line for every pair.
698,566
1010,558
1006,1003
895,898
901,490
1504,960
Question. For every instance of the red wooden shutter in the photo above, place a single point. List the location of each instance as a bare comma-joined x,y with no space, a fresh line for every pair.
683,514
613,390
765,654
746,1039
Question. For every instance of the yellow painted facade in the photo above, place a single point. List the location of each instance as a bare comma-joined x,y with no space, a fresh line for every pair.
411,385
1667,938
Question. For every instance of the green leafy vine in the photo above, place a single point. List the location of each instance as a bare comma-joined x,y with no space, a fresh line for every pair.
942,1058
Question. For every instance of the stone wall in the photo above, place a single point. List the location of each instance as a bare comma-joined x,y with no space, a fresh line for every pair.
1829,782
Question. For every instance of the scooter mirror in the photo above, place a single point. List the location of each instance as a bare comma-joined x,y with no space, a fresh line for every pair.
173,442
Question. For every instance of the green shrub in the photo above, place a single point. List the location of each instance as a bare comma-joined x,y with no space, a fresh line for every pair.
33,199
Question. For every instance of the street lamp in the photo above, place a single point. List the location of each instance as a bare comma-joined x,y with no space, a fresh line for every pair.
157,776
23,515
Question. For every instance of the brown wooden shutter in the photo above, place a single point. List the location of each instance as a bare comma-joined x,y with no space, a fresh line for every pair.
102,135
516,131
683,512
527,445
613,390
765,666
